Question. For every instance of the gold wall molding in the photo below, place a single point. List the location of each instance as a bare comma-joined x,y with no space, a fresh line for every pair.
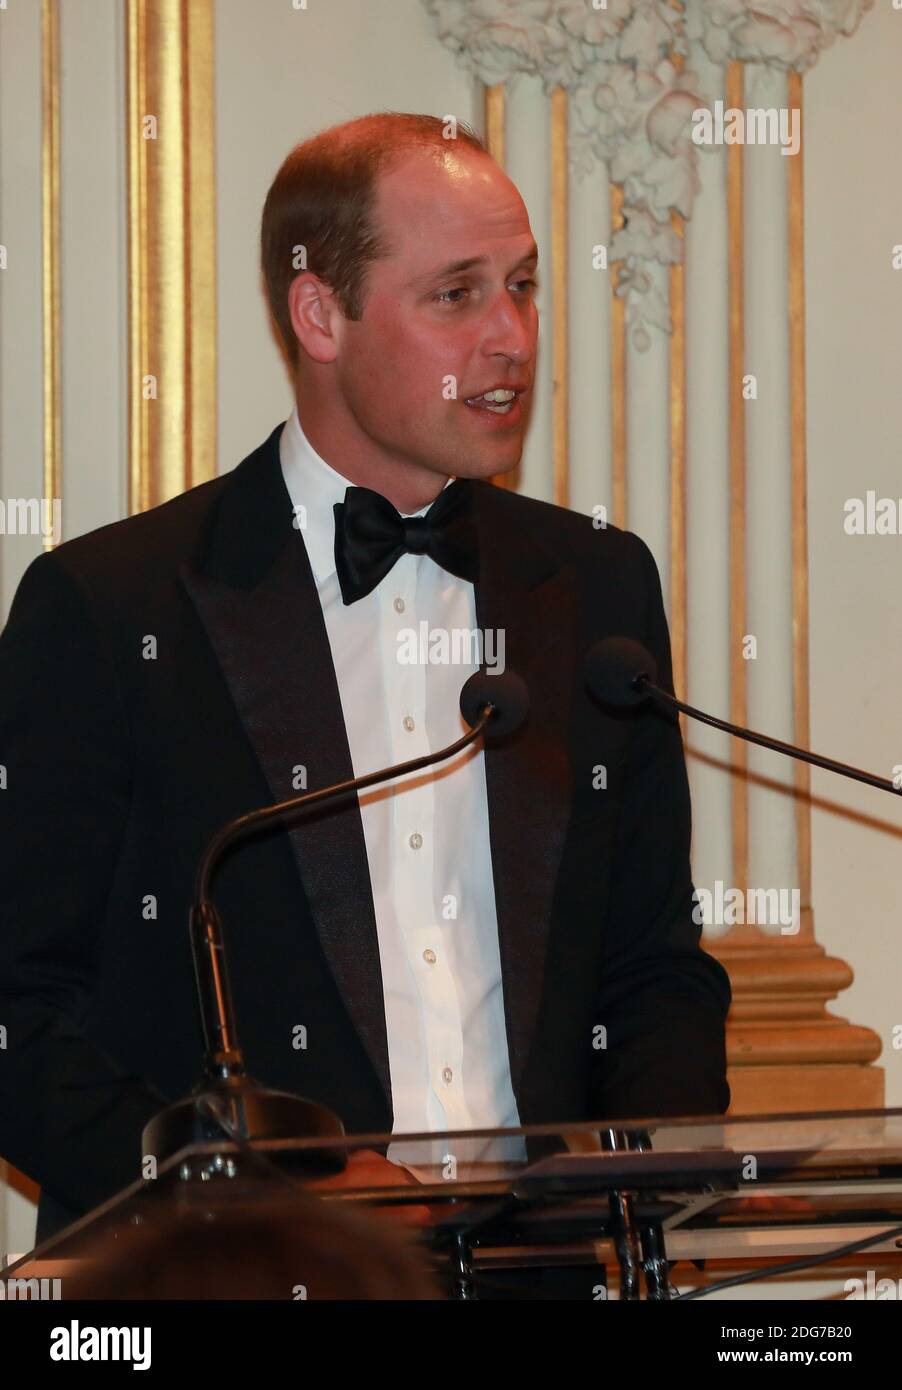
171,248
678,535
494,121
618,375
495,117
560,222
50,257
495,127
799,453
738,693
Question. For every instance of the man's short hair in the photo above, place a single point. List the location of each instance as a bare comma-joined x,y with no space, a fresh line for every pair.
323,199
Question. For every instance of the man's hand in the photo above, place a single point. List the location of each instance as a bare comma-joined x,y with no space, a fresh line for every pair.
367,1168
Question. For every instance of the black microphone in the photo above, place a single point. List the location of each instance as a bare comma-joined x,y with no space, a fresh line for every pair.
226,1100
622,673
507,695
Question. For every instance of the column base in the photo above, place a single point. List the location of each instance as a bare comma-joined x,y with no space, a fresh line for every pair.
785,1051
763,1090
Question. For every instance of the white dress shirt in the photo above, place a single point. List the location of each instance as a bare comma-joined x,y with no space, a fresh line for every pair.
427,834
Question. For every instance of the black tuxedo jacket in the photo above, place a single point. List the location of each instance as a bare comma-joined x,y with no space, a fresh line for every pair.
170,671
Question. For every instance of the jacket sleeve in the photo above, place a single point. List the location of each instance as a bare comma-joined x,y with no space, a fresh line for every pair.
663,999
70,1116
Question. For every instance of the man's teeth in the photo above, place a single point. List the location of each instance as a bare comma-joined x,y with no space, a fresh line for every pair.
502,401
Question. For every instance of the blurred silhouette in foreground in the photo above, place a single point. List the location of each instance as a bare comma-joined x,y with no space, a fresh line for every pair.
261,1247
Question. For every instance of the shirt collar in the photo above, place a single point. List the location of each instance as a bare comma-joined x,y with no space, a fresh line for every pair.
314,488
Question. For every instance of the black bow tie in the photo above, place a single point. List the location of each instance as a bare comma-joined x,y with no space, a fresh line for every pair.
370,536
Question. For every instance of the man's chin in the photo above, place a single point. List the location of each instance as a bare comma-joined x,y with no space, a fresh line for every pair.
488,468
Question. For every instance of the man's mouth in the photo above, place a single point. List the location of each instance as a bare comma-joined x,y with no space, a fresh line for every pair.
499,402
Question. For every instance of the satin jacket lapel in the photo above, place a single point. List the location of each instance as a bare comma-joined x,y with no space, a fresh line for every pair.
525,592
255,594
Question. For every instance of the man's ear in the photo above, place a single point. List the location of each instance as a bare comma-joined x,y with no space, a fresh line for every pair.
315,316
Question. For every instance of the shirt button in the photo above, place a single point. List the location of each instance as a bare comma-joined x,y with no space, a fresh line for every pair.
399,605
429,957
409,725
447,1075
416,840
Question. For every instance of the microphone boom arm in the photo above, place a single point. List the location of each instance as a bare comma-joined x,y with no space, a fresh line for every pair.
642,682
234,829
223,1059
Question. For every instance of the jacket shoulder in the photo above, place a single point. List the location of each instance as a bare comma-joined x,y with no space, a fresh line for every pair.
154,540
576,537
147,549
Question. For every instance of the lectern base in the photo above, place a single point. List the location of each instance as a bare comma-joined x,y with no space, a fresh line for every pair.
245,1113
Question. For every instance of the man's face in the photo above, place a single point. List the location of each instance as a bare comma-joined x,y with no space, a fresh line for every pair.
432,337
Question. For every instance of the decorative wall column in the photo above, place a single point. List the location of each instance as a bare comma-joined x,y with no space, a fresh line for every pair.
701,390
172,248
785,1044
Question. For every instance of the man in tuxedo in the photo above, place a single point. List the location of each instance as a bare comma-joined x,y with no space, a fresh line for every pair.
505,938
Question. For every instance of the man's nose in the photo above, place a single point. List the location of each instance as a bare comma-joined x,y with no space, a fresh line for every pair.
511,332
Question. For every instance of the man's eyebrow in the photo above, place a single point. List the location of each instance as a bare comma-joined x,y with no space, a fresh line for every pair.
458,267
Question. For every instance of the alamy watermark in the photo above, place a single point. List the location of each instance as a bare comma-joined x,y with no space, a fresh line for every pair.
81,1342
872,1289
872,515
31,516
452,646
757,125
730,907
28,1290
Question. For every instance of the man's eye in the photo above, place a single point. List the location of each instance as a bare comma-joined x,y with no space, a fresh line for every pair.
442,297
459,289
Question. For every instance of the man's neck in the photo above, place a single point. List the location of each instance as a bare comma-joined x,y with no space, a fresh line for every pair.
408,486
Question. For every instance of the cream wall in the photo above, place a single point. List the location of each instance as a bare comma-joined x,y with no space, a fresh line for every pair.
92,277
281,74
93,323
853,218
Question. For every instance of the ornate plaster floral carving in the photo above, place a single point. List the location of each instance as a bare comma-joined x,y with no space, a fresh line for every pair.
626,66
